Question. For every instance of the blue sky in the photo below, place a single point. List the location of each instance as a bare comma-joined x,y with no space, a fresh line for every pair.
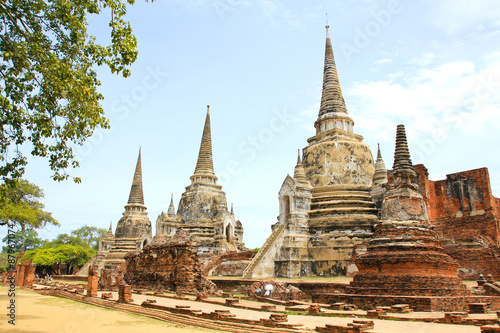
433,66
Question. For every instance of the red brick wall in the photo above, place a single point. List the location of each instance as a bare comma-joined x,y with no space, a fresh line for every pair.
466,217
228,264
462,206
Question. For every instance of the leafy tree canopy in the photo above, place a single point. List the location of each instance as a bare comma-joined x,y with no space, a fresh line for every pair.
30,237
62,254
90,235
65,239
20,206
48,82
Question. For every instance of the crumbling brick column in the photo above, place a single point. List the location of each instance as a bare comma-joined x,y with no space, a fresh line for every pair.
29,274
124,293
92,281
20,269
25,273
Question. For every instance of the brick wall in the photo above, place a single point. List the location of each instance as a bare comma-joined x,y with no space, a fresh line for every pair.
466,217
168,264
228,264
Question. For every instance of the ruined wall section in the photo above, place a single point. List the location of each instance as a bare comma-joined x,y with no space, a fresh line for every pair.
462,206
466,217
168,264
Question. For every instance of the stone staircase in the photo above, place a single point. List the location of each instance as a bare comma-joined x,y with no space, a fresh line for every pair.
277,232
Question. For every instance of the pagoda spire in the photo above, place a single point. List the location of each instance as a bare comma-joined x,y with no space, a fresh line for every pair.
136,196
171,208
204,171
110,231
299,172
332,100
332,111
380,175
403,168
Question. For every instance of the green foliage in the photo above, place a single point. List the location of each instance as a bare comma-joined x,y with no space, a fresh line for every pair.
48,87
65,239
4,261
62,254
20,206
30,237
90,235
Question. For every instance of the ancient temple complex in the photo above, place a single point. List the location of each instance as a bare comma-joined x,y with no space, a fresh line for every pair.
203,210
326,211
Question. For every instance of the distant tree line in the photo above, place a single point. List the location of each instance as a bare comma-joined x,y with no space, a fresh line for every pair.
21,209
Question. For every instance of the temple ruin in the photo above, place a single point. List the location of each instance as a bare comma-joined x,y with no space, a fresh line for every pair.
326,210
203,210
329,208
133,230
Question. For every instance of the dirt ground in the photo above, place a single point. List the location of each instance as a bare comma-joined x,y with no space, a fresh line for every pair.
39,314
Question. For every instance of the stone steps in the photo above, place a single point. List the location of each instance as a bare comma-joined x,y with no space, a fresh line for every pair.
278,230
342,211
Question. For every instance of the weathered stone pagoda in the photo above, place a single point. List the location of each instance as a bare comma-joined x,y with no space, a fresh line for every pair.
405,256
326,211
133,230
203,210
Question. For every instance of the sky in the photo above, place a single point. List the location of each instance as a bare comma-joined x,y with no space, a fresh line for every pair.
433,66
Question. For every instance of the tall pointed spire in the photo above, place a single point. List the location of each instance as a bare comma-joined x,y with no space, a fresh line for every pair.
136,195
171,208
204,171
402,168
331,97
110,231
380,175
299,172
332,112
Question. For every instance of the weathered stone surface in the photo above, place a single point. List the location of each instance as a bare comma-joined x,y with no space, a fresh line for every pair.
326,211
405,257
133,230
466,217
278,290
228,264
168,264
92,281
203,210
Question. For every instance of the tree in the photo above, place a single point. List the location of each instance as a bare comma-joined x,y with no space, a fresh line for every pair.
48,87
20,206
65,239
29,237
89,235
70,255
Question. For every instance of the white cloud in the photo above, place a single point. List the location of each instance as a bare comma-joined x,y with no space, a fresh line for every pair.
385,61
458,99
425,59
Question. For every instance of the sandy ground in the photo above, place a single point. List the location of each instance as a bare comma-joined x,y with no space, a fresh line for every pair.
38,313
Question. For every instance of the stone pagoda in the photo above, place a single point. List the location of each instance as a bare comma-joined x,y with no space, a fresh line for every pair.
405,256
326,211
133,230
203,210
379,185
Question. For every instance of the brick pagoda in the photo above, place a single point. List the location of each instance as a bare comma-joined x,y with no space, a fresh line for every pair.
404,256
